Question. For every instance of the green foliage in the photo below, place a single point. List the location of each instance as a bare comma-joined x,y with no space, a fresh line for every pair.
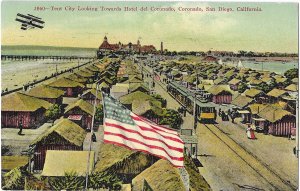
160,99
71,181
103,179
291,73
14,180
172,118
242,87
272,84
53,112
99,114
264,87
97,180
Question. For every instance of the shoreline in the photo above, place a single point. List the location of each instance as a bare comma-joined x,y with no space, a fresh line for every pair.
34,73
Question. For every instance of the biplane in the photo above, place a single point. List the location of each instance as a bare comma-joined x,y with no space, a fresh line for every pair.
29,21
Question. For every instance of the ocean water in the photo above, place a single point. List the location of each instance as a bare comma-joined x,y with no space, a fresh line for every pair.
277,67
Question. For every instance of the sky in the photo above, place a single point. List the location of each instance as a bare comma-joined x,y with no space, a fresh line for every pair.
274,29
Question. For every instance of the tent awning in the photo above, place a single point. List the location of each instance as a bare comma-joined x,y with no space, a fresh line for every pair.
243,111
258,119
75,117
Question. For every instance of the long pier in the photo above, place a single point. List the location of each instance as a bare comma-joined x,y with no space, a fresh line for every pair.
34,57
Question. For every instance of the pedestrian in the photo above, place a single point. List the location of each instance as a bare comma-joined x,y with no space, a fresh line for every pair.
220,112
229,112
223,115
250,132
20,126
232,116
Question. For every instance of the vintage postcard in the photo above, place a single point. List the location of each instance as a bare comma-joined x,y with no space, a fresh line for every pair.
162,96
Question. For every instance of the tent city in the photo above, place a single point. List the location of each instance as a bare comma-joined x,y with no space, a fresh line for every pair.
149,100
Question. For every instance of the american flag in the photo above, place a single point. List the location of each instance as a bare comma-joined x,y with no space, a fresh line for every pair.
124,128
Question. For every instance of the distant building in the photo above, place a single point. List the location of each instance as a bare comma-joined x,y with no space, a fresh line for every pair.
210,59
106,48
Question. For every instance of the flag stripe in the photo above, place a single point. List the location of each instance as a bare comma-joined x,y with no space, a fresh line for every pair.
148,127
145,151
178,161
168,130
164,136
156,127
137,135
135,141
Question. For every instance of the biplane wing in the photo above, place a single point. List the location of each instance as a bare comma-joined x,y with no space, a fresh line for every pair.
29,21
31,17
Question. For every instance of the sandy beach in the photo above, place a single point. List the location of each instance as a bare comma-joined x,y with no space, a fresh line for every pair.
17,73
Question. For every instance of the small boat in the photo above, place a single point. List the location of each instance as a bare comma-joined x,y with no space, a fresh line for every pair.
283,62
256,63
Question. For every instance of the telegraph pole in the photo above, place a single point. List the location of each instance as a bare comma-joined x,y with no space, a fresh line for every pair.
195,99
90,144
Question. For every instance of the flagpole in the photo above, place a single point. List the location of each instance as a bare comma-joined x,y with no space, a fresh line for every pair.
90,145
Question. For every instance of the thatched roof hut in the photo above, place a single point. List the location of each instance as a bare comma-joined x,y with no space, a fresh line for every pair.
276,93
93,92
163,176
218,89
266,79
85,73
122,161
252,92
292,88
44,91
21,102
220,80
66,129
65,135
141,108
47,93
90,96
255,82
134,79
93,68
234,81
133,87
65,83
106,80
138,95
81,104
273,114
241,101
256,108
77,78
103,85
221,94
